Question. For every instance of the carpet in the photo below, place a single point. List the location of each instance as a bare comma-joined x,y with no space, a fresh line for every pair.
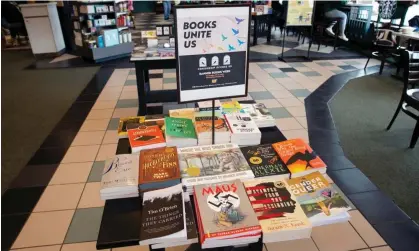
33,102
362,111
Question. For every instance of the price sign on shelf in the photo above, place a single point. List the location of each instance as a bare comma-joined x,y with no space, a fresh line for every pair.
212,46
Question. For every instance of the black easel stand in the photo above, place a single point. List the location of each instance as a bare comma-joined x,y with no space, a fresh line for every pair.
296,58
213,122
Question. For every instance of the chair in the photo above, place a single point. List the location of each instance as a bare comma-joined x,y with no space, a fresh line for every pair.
410,96
384,45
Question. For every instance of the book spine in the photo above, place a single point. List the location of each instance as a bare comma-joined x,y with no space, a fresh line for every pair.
228,124
198,218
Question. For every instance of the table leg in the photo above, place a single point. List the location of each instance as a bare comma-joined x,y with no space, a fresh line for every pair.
255,32
141,89
268,37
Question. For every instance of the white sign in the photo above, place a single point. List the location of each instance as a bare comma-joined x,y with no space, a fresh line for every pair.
212,45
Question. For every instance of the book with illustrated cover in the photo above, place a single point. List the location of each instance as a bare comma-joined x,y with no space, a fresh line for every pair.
180,128
128,123
187,113
299,157
207,115
120,177
146,137
244,130
224,212
163,216
264,161
212,164
277,209
320,201
260,114
159,168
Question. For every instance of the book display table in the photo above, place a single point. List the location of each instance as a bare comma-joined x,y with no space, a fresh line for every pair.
121,218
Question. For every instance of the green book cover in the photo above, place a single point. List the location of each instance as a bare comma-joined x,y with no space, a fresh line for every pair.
179,127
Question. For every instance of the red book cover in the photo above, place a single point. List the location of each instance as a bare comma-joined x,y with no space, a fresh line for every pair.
145,135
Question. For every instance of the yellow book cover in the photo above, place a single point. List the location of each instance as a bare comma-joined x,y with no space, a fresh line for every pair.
128,123
186,113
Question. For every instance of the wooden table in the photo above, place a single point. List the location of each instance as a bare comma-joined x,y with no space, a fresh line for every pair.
145,95
262,26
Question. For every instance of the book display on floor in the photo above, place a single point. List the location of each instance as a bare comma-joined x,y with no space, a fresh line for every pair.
146,137
320,201
163,219
264,161
180,132
120,177
244,131
299,157
212,164
278,212
159,168
225,216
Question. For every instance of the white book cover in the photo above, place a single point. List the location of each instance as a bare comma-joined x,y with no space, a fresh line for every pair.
259,113
120,172
241,123
212,164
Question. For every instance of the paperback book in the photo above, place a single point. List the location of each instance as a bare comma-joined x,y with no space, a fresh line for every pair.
224,214
203,128
264,161
128,123
146,137
244,130
321,203
279,214
187,113
159,168
299,157
260,114
211,164
120,177
163,216
191,230
180,132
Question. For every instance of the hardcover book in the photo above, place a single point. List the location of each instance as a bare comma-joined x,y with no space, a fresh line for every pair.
321,203
145,137
279,214
299,157
212,164
159,167
163,216
264,161
224,211
128,123
180,127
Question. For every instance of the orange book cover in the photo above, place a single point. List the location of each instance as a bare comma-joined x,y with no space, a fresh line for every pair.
145,135
159,164
298,155
202,126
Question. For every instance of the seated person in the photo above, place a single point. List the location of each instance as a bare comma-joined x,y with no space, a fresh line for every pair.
331,11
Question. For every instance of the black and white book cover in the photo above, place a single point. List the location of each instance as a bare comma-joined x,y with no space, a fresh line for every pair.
163,216
190,220
120,173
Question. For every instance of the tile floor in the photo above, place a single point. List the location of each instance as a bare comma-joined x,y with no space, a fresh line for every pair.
68,214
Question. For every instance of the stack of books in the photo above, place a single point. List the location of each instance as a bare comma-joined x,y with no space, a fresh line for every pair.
277,209
203,128
320,201
230,107
159,168
260,114
207,105
145,137
299,157
120,177
191,232
180,132
225,216
163,217
244,130
264,161
211,164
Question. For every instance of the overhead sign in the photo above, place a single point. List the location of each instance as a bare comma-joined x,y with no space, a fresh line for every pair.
212,51
300,13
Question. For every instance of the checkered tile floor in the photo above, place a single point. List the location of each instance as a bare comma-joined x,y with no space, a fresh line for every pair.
68,214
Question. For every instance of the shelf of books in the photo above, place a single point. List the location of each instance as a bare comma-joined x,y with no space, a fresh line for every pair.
233,193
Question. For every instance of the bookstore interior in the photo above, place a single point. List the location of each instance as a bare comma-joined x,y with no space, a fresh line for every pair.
213,171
